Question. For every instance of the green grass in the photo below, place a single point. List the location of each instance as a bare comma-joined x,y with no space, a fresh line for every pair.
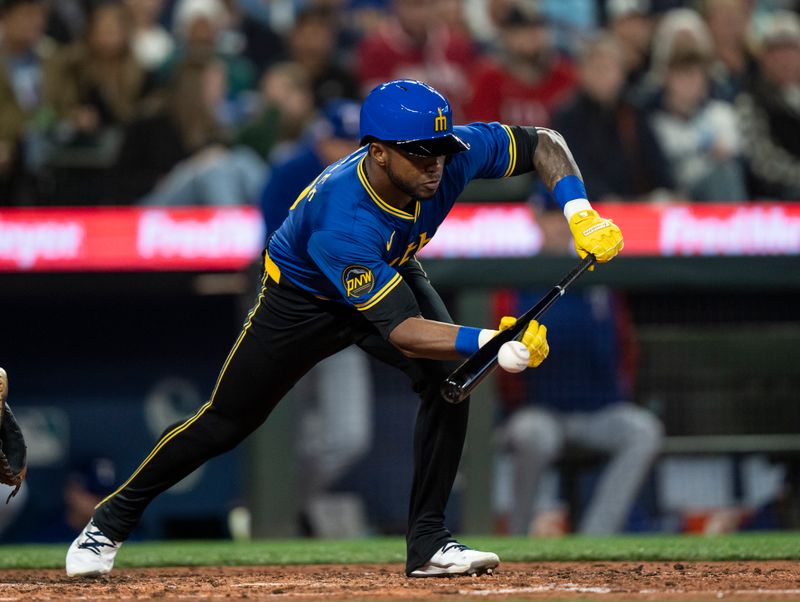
755,546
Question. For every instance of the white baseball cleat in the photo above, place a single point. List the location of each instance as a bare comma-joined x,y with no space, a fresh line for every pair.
92,553
457,559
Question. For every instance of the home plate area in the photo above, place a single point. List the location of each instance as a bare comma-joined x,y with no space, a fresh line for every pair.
752,580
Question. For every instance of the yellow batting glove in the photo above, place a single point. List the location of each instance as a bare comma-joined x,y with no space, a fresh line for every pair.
507,322
488,334
593,234
535,339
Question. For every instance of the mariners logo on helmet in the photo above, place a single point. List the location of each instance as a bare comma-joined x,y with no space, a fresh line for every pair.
440,123
357,280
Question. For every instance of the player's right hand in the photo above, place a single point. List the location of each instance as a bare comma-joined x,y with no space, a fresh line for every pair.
593,234
535,339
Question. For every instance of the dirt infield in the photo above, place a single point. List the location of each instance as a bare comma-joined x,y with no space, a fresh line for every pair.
552,581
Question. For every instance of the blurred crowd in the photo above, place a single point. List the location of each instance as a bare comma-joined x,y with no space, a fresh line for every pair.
190,101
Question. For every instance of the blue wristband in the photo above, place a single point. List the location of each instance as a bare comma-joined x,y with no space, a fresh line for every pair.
568,189
467,340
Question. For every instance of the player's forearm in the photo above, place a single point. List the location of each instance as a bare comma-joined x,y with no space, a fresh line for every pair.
556,166
417,337
552,158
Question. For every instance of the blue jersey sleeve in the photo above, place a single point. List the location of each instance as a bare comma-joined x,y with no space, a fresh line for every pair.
492,152
363,279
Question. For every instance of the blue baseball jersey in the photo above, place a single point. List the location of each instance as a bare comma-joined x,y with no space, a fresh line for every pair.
342,242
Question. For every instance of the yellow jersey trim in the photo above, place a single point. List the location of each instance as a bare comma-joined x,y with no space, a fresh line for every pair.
379,296
302,195
186,424
362,175
512,152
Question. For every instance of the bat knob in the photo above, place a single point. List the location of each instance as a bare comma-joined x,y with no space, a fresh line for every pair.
452,391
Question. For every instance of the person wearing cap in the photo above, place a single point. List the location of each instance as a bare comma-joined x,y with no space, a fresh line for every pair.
769,112
335,422
331,136
342,270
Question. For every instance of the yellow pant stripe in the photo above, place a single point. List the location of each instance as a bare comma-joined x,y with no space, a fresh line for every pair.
185,425
164,440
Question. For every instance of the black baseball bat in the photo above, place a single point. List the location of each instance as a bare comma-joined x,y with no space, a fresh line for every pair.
480,364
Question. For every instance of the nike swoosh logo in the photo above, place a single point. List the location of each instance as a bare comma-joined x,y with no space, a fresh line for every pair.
389,244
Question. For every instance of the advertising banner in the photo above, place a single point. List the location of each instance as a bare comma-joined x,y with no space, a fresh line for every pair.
194,238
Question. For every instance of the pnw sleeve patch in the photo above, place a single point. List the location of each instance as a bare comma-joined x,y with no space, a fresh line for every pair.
357,280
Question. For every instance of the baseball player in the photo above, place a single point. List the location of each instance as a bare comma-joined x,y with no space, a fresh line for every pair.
341,270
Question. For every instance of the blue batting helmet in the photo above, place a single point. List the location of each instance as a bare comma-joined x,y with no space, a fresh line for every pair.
411,115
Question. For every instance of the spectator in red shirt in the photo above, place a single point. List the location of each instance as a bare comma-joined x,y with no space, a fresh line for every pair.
415,43
529,81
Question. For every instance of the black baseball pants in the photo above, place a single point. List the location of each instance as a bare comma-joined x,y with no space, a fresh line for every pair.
286,334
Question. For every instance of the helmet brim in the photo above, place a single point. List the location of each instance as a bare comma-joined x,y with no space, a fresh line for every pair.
449,144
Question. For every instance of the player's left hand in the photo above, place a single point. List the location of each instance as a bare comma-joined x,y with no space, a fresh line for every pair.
596,235
506,322
535,339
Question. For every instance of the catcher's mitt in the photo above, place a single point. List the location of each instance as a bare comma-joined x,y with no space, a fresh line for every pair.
12,444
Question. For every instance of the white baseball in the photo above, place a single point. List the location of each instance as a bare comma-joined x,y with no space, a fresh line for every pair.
513,356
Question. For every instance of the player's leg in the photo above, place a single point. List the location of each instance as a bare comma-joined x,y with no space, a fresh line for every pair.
632,437
282,338
534,440
438,436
